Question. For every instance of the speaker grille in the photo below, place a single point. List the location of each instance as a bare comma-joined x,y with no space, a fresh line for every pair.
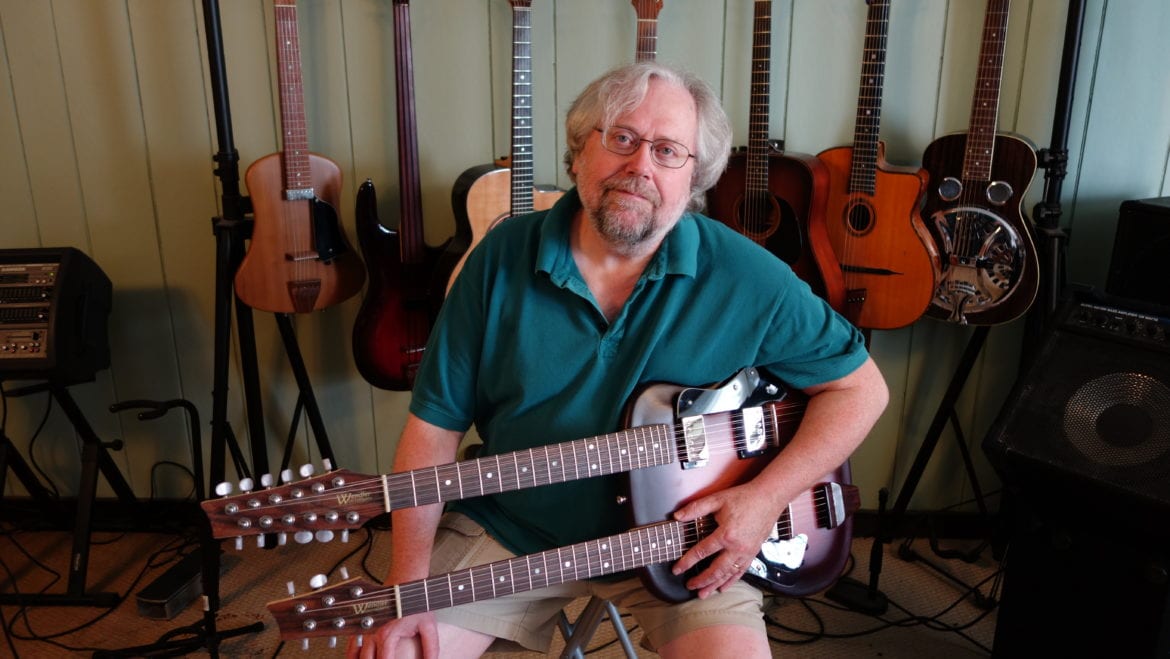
1092,410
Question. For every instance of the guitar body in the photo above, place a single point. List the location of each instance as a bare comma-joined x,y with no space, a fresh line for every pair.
987,273
481,199
885,251
787,218
401,301
282,271
656,492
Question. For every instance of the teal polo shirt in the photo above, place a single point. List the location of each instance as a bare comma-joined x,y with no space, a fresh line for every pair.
522,350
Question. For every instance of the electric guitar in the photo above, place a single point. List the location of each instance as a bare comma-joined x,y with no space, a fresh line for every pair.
987,273
745,418
885,251
774,197
357,605
647,46
485,195
408,278
681,443
299,259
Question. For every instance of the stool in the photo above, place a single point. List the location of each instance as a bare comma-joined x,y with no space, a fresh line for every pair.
578,634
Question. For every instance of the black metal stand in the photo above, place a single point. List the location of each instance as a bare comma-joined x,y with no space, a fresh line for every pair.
1051,258
204,634
95,458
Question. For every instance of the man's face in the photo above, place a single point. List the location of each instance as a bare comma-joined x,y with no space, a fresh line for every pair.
632,200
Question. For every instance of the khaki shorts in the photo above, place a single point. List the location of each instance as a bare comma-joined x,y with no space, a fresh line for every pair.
529,619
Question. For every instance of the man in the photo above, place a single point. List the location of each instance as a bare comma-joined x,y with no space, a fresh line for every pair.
555,321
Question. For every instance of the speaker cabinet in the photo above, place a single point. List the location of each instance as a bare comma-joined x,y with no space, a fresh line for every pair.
1083,448
1141,250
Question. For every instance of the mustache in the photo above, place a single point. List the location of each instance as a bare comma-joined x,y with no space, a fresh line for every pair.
633,185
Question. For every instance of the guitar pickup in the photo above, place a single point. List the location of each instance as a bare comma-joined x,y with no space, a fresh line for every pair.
695,442
755,438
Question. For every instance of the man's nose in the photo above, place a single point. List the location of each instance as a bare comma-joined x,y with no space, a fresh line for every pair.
641,160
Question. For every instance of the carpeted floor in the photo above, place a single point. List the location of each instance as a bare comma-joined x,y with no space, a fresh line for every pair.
929,614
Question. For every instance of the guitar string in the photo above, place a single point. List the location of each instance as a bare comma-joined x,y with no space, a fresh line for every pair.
863,170
609,555
292,105
406,487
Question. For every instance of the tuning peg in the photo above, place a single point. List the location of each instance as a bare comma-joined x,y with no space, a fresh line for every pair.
223,489
292,589
260,541
286,475
345,535
344,571
332,641
318,581
303,537
306,470
324,535
239,543
246,484
267,480
305,644
281,538
327,464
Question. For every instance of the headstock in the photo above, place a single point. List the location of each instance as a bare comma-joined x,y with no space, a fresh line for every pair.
312,508
647,9
351,607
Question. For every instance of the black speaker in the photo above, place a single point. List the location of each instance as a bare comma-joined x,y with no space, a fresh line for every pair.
1083,448
54,313
1141,250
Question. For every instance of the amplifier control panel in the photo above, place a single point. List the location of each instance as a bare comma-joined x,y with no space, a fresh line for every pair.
26,296
1143,328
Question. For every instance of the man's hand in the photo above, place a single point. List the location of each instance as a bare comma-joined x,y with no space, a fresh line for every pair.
744,521
384,641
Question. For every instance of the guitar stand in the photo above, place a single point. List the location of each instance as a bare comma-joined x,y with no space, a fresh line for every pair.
201,635
95,458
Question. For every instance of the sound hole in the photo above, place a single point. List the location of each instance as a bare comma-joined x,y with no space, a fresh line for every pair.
859,218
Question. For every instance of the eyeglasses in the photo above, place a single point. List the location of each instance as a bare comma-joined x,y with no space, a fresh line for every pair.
625,142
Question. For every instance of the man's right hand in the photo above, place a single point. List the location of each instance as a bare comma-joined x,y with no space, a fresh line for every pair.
412,636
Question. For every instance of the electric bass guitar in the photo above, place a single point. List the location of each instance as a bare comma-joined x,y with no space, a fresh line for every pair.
885,251
486,195
408,278
776,197
646,49
299,259
987,273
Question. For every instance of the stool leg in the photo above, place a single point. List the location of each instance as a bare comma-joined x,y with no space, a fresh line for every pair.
577,635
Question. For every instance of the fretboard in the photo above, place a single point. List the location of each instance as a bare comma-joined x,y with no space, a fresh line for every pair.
862,175
645,446
293,132
985,106
758,147
521,157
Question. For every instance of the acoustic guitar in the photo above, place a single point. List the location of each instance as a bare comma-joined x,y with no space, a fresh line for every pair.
299,259
776,197
408,278
987,273
646,49
885,251
485,195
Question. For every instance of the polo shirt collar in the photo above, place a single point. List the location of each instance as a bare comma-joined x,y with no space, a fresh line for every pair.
678,255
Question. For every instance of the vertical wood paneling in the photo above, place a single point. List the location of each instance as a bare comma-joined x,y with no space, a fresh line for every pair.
107,126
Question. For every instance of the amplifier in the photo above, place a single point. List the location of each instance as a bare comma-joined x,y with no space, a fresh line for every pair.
54,311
